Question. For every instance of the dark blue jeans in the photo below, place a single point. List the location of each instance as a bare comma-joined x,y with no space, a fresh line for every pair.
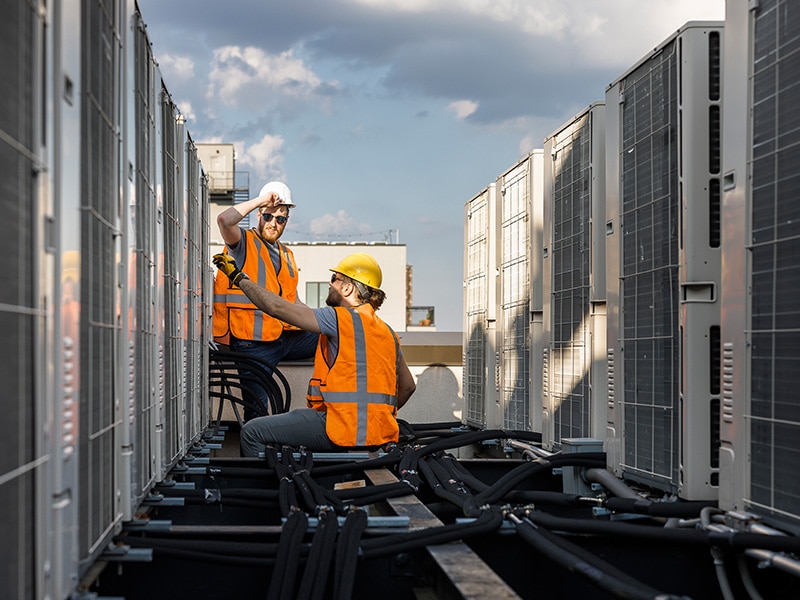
292,345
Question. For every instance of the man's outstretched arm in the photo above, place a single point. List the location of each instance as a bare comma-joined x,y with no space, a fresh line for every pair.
295,314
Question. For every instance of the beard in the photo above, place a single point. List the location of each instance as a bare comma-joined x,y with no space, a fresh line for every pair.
334,298
270,235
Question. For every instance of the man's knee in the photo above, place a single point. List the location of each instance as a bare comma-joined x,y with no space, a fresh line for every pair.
250,443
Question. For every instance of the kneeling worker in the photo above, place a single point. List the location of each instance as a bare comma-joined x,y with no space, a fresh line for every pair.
360,377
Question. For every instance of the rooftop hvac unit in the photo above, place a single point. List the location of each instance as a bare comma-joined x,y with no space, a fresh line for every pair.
574,280
662,234
519,309
145,246
31,445
100,323
480,391
760,425
171,320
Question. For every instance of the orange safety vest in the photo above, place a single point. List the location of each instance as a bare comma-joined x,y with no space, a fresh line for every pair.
358,387
234,314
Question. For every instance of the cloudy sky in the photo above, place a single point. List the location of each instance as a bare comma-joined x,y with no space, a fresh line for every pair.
386,116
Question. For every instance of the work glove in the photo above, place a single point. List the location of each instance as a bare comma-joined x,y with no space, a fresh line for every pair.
227,265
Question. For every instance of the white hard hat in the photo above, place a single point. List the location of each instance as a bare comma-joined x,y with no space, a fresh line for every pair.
283,192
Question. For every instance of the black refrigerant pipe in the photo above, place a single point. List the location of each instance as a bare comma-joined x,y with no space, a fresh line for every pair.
576,560
314,581
233,553
284,575
488,521
347,554
737,541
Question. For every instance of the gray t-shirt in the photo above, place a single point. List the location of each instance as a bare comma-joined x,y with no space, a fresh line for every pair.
239,251
326,319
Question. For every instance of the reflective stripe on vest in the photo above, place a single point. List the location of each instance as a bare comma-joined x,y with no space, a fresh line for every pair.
233,311
345,427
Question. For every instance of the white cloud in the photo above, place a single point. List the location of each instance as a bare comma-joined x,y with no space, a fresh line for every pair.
264,160
596,33
174,67
340,223
251,77
462,108
186,109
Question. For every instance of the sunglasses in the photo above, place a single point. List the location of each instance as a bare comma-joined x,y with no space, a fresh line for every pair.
279,218
335,278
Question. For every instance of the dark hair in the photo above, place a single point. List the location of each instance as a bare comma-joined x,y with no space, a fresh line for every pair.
373,296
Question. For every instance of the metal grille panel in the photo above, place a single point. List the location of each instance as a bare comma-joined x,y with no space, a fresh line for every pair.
775,214
144,290
174,219
99,229
194,348
570,344
649,283
516,298
476,298
19,318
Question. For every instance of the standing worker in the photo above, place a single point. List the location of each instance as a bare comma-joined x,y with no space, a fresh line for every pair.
270,265
360,377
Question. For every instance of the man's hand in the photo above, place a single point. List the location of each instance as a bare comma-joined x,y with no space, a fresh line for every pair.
227,265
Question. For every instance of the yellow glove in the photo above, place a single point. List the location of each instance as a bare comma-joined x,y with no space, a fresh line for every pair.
227,265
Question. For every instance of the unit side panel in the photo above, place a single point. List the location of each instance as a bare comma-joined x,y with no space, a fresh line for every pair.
773,488
515,289
476,285
143,275
569,252
21,314
669,266
99,231
172,228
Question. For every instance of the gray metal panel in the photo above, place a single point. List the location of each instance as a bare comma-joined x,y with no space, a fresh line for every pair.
774,244
571,211
669,264
99,231
194,349
734,462
172,283
476,301
21,318
514,309
147,384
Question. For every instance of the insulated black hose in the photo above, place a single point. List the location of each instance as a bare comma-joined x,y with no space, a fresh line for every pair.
224,493
303,473
506,483
642,506
354,495
487,522
195,555
282,583
286,494
738,541
302,486
448,489
318,565
347,554
602,574
256,472
459,472
393,457
222,547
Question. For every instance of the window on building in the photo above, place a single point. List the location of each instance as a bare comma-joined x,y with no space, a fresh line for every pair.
316,293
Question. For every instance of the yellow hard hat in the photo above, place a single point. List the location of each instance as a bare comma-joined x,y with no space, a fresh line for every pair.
361,267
